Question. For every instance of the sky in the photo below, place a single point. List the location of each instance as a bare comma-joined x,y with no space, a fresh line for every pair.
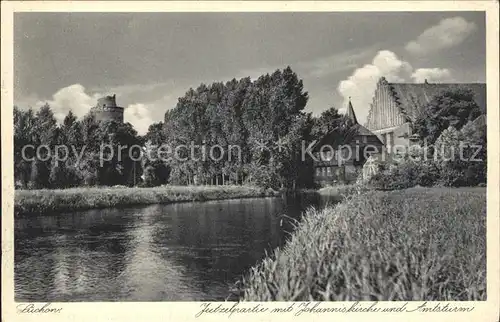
149,60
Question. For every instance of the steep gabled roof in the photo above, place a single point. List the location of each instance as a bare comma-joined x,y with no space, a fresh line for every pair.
412,98
363,131
332,138
355,130
350,113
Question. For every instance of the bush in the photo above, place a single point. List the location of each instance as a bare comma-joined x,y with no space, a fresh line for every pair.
406,173
265,178
455,151
450,164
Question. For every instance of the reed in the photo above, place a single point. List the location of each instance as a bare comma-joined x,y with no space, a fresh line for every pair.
414,244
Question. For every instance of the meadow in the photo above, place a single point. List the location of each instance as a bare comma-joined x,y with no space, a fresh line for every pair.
413,244
45,200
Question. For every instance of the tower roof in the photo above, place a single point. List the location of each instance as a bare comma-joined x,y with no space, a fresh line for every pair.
350,112
107,101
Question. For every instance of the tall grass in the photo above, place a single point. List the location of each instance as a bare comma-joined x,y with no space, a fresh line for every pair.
415,244
40,201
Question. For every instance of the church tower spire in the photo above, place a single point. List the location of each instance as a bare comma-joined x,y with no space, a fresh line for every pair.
350,112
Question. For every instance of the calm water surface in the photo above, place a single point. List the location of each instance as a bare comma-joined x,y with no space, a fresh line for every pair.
179,252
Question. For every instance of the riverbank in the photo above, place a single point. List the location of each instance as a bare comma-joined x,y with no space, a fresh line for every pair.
42,201
414,244
344,190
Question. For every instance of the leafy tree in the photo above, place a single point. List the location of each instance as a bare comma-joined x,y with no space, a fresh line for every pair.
118,165
156,134
326,122
46,125
150,179
453,107
473,136
40,174
242,114
69,120
59,176
44,130
24,134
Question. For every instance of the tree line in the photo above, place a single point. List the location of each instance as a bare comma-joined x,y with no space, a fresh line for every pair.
264,118
36,167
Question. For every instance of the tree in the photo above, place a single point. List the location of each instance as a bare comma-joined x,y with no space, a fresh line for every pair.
67,127
40,174
461,155
326,122
473,136
59,176
121,148
156,134
244,114
45,126
452,107
24,135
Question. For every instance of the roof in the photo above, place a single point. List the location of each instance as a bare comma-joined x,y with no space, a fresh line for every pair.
332,138
355,130
361,130
350,113
413,97
481,120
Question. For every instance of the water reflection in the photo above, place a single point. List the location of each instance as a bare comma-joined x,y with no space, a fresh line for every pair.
186,251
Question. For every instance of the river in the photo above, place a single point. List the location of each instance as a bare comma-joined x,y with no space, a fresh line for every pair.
179,252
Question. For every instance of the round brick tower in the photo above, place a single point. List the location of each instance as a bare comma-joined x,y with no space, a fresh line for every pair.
107,110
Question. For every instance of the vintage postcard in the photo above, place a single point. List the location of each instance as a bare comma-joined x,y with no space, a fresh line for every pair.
253,161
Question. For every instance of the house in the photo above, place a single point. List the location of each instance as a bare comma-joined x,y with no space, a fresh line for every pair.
396,105
340,159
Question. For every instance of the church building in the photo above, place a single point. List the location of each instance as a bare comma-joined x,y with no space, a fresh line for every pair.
396,106
341,160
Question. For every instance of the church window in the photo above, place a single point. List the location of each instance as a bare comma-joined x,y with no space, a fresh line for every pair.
345,153
327,155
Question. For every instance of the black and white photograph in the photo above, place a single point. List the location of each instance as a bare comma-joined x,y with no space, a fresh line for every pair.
306,157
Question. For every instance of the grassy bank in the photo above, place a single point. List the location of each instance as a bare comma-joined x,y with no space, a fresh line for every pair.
343,190
414,244
38,201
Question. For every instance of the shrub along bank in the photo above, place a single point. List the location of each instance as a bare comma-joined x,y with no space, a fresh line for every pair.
457,158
